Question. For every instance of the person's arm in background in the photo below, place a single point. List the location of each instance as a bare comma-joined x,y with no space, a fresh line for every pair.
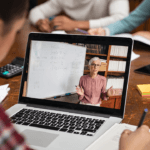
80,86
118,9
10,139
84,94
137,140
103,91
65,23
135,18
39,15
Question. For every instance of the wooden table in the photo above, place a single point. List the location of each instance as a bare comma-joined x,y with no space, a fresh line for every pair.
134,106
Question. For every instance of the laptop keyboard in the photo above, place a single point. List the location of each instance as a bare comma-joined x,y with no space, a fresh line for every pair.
56,121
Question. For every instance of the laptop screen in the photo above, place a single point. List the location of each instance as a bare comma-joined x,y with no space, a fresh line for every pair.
69,70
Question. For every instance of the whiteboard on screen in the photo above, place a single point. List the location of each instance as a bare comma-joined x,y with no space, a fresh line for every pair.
54,68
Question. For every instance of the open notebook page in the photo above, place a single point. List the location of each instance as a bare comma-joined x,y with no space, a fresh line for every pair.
135,37
110,139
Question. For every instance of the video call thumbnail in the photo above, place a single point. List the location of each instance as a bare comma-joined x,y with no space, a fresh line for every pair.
79,73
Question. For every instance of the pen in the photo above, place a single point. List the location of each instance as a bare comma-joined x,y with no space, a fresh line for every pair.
77,86
82,31
56,97
55,27
67,94
51,18
143,117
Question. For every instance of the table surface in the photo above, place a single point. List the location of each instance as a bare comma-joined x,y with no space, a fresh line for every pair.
134,104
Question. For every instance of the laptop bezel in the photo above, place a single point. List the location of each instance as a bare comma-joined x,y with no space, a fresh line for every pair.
77,39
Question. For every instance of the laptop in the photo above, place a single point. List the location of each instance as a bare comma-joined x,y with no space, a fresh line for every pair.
49,113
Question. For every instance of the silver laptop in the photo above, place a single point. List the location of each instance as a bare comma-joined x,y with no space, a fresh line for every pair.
49,113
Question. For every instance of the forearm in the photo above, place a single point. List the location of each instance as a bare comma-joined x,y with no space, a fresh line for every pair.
117,10
138,16
81,25
81,97
43,11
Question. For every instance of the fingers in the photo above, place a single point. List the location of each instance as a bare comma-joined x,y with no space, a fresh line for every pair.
82,90
42,21
101,32
47,20
56,23
92,31
97,31
58,27
126,133
58,18
43,25
144,128
44,28
78,88
114,92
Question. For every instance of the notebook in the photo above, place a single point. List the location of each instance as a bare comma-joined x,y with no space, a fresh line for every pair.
111,136
144,90
138,38
49,113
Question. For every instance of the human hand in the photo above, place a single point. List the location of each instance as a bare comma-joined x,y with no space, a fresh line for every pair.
145,34
43,25
79,90
62,23
137,140
113,92
97,31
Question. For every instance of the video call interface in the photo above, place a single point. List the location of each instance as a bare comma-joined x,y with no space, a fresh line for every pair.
78,73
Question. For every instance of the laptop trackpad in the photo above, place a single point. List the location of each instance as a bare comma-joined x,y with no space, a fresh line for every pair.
39,138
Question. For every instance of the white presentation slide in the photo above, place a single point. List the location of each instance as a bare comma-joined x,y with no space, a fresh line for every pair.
54,68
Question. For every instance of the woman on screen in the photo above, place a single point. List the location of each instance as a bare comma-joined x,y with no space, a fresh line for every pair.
92,87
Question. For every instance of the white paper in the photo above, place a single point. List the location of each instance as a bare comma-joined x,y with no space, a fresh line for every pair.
110,139
127,35
134,56
59,67
3,91
4,87
141,39
3,94
59,32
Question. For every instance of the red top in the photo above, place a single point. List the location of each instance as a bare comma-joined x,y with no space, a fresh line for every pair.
9,137
94,89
